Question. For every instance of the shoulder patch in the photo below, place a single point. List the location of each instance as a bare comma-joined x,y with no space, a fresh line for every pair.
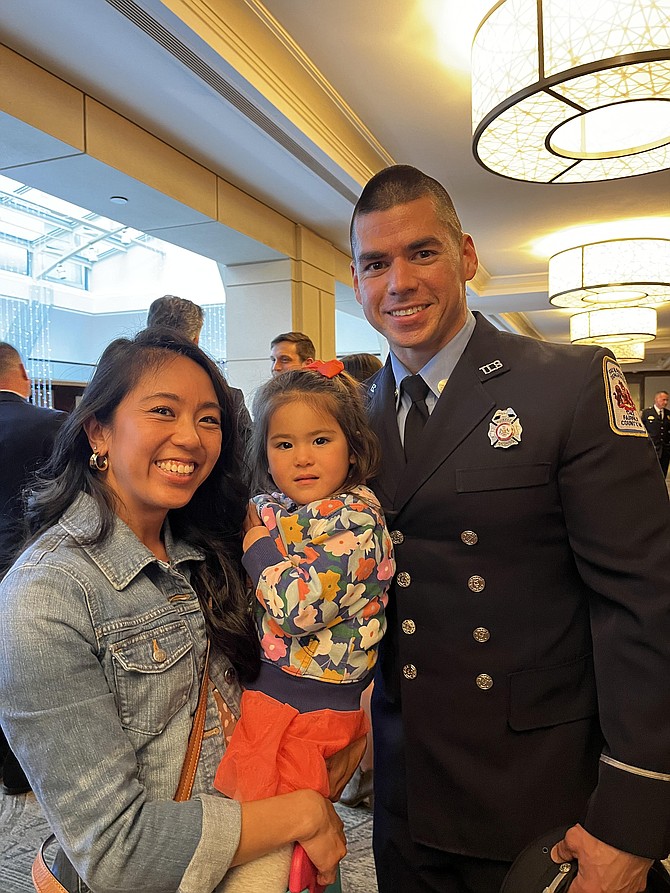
624,418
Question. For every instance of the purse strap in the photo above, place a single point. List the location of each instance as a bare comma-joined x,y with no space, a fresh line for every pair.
44,881
194,746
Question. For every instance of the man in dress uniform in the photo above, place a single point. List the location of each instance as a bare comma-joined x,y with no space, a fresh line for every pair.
656,420
27,435
523,680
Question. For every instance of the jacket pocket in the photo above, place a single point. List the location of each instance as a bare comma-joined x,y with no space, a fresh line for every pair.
154,675
506,477
549,696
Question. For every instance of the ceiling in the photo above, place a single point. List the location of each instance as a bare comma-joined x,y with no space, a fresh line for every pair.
399,68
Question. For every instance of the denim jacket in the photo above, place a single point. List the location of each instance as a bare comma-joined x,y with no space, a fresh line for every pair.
101,652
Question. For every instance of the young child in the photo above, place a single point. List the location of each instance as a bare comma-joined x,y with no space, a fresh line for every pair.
320,559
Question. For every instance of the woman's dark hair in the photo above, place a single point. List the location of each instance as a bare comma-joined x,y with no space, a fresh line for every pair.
340,396
212,520
361,365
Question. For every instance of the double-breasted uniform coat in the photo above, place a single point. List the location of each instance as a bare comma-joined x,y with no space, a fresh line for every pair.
529,619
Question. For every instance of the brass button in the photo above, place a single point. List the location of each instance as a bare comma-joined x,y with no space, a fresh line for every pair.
397,537
476,583
484,681
481,634
408,627
230,675
469,537
409,671
403,579
159,655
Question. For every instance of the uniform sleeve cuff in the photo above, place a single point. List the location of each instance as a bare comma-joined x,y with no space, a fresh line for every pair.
219,840
630,812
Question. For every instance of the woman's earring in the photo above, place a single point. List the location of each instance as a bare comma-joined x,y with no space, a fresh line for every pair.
97,462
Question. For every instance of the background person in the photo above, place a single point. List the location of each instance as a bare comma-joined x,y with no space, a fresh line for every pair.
320,558
361,365
522,682
27,434
656,420
291,350
104,621
173,312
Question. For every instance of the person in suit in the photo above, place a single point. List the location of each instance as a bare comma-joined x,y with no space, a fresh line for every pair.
656,420
522,683
173,312
290,350
27,434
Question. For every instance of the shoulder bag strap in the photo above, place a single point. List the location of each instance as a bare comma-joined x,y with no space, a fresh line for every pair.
44,880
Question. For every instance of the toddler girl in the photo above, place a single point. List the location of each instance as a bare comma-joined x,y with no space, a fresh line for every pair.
320,558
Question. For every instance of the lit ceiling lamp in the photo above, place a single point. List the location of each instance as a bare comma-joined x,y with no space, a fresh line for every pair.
630,352
568,91
614,272
618,325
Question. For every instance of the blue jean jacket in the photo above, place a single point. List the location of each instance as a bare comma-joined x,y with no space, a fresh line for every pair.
101,652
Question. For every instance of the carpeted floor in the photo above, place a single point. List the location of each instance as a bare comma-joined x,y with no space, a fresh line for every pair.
23,828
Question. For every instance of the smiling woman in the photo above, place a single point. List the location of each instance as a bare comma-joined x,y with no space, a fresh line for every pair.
129,594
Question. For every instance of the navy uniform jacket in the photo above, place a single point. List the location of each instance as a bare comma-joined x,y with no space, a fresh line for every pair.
658,428
27,435
529,620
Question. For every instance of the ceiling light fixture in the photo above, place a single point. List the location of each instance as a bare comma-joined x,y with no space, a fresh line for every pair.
615,272
618,325
60,272
569,91
629,352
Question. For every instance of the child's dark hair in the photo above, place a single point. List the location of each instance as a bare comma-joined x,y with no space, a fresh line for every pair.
341,396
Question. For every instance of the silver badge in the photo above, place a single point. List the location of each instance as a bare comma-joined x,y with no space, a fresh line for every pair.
505,428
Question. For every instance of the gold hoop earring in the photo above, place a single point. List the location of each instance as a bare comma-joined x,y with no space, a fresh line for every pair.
97,462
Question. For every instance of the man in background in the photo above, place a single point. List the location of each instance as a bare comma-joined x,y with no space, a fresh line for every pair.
173,312
291,350
27,435
656,420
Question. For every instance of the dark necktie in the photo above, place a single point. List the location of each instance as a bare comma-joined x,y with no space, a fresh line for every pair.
417,416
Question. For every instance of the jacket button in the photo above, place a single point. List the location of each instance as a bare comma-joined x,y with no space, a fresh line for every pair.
481,634
409,671
403,579
230,675
476,583
484,681
469,537
159,655
408,627
397,537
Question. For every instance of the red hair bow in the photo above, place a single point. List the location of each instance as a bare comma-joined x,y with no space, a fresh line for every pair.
330,369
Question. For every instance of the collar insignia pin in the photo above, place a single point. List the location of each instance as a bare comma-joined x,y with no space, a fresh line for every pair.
441,384
505,429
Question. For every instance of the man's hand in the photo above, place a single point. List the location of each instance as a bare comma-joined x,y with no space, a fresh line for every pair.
601,868
341,766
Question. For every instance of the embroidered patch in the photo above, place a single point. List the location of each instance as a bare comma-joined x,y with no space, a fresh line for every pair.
624,418
505,428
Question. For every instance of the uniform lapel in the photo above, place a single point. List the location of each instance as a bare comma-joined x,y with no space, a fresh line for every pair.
463,404
383,418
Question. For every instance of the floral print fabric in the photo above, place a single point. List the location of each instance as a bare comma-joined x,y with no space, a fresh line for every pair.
321,607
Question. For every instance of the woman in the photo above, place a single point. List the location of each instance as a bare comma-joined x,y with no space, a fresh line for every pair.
104,622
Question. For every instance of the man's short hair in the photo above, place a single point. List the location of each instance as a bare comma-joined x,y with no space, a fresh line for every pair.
398,185
10,359
173,312
304,346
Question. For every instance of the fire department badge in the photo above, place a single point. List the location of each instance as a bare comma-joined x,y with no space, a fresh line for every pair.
623,415
505,428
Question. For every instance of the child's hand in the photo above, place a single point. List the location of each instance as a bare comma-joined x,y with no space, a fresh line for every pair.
253,527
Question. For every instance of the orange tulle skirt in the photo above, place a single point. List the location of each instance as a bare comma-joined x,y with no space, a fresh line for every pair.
275,749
